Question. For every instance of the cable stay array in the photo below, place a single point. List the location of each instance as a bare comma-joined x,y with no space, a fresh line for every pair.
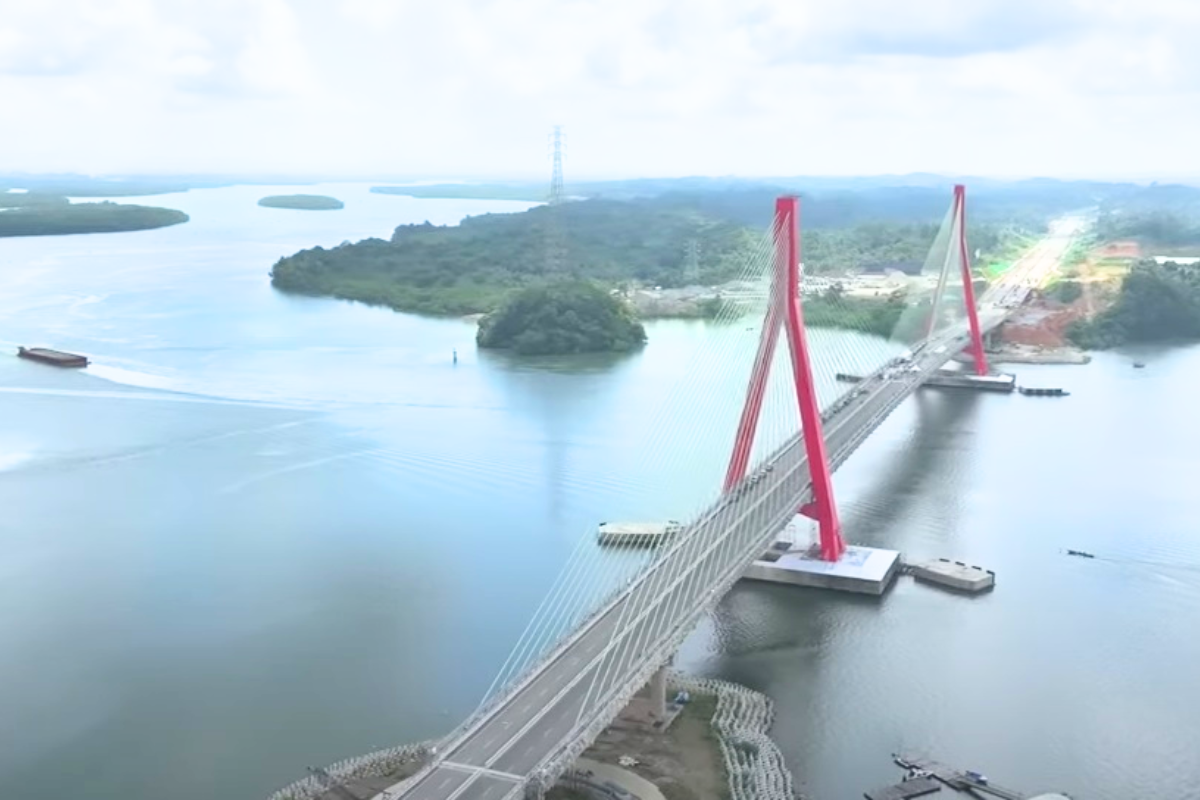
658,580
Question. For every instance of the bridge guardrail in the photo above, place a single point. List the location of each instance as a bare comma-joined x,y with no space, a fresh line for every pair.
377,763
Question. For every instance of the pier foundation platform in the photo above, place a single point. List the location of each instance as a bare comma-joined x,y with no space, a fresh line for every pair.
865,570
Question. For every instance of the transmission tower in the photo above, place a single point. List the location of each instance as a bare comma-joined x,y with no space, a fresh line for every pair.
556,178
556,248
691,266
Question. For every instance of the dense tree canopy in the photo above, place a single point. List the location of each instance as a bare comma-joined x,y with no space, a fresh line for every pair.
470,267
566,316
1155,303
1156,227
832,309
50,218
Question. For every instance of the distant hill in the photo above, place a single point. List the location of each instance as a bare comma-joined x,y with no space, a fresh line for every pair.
838,202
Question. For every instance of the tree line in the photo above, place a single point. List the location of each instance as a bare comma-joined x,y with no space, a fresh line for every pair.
1155,303
44,217
472,267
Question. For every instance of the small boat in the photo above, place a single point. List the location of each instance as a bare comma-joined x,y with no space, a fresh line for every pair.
1025,390
1138,365
1080,553
56,358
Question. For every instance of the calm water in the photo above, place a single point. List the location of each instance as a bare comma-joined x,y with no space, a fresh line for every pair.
264,532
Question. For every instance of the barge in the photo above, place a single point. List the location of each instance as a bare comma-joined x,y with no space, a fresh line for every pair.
55,358
1034,392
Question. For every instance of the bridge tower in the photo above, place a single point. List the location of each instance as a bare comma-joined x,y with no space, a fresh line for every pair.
783,311
957,251
964,256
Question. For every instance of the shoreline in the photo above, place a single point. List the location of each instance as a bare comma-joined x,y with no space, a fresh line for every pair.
1023,354
706,744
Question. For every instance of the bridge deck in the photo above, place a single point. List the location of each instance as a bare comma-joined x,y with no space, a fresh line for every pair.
585,683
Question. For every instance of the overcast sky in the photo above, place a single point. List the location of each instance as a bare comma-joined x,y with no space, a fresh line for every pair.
440,88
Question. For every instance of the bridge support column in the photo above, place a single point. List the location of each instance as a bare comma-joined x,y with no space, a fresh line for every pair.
960,216
648,708
658,695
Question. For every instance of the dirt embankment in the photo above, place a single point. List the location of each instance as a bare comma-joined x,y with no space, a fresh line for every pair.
1043,321
685,763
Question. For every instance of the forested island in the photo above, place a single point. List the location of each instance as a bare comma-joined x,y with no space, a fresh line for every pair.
303,202
565,316
52,215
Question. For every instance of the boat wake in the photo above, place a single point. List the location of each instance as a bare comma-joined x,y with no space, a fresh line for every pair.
128,377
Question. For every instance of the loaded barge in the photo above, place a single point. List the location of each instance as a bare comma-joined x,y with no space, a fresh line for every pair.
54,357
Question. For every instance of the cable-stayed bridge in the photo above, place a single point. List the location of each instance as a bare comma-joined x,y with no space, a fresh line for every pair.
588,651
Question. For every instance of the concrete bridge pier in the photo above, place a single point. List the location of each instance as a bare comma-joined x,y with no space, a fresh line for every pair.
657,692
989,338
649,707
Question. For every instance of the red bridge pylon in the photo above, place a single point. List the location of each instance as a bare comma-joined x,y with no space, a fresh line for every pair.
958,250
960,217
783,310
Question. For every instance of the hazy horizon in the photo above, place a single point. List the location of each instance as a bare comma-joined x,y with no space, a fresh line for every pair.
198,180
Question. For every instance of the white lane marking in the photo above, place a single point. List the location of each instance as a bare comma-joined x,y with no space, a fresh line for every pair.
477,770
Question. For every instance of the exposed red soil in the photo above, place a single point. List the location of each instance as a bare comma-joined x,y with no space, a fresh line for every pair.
1125,249
1039,325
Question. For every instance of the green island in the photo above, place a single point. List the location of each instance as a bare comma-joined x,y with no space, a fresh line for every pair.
52,215
567,316
304,202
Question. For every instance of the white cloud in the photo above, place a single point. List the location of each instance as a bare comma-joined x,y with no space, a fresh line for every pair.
646,87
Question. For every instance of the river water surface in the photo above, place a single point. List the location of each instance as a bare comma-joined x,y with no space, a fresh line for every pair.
264,532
